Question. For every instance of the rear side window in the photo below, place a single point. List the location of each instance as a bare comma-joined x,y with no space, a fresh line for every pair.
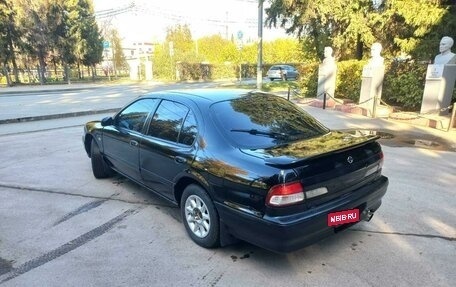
168,121
188,133
262,121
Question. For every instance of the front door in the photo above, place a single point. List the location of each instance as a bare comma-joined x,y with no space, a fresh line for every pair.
121,141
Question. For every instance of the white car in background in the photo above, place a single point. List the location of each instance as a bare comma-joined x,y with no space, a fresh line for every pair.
282,72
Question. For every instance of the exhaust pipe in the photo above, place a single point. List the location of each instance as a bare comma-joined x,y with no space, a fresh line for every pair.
367,215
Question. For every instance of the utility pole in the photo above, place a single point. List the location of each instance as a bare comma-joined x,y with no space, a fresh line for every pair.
260,45
226,26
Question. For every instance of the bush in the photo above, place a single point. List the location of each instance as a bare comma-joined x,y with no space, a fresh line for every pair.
348,81
308,80
404,85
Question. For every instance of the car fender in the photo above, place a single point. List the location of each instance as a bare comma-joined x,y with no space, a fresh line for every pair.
92,130
189,176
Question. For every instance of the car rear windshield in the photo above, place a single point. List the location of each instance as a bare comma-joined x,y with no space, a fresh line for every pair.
263,121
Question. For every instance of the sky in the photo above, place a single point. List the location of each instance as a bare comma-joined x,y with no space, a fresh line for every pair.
149,19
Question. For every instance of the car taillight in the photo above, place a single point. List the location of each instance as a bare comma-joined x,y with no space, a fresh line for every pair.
377,167
285,194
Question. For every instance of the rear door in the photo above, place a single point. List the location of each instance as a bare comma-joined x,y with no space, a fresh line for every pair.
121,140
168,147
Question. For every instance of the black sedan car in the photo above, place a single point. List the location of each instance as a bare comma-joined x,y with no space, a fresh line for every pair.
241,165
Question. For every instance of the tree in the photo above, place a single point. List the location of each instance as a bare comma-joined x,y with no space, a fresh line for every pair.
37,30
9,35
282,51
338,23
89,42
415,27
46,30
181,37
350,27
216,49
118,56
62,42
4,38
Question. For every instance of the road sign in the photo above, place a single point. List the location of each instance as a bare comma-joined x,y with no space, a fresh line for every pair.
240,35
106,44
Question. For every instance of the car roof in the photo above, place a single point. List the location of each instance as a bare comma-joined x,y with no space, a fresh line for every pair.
281,66
208,95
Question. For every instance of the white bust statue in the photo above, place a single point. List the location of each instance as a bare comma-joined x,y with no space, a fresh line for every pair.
329,59
445,56
376,60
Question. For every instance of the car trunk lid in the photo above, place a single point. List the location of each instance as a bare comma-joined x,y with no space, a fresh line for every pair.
339,162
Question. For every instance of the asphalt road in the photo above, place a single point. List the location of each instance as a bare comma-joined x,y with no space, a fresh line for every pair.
61,226
28,103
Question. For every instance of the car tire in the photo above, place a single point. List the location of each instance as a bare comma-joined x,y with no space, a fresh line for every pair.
100,168
200,217
272,79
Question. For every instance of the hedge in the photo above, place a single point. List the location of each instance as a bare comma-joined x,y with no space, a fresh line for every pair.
403,84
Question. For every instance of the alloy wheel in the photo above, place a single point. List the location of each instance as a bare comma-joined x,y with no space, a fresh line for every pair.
197,216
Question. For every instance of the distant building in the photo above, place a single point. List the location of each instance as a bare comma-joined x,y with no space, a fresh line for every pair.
135,49
139,58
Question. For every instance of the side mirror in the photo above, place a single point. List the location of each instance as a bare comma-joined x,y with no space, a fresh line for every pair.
108,121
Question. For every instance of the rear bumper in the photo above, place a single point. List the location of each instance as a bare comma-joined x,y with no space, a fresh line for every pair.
292,232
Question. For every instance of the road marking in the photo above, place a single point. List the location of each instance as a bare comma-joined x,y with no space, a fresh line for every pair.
67,247
84,208
26,188
407,234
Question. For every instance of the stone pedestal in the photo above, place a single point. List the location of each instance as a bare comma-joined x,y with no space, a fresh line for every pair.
371,88
326,80
438,90
134,69
149,71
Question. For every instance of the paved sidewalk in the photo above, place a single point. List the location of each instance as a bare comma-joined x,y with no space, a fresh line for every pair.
394,133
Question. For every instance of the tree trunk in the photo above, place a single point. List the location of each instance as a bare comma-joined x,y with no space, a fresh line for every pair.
93,73
13,56
55,68
359,48
17,80
114,66
41,70
67,73
31,76
8,79
79,71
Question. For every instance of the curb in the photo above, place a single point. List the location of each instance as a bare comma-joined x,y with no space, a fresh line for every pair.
20,92
57,116
440,124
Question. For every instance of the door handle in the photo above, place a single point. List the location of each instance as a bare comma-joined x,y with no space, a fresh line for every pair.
179,159
134,143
